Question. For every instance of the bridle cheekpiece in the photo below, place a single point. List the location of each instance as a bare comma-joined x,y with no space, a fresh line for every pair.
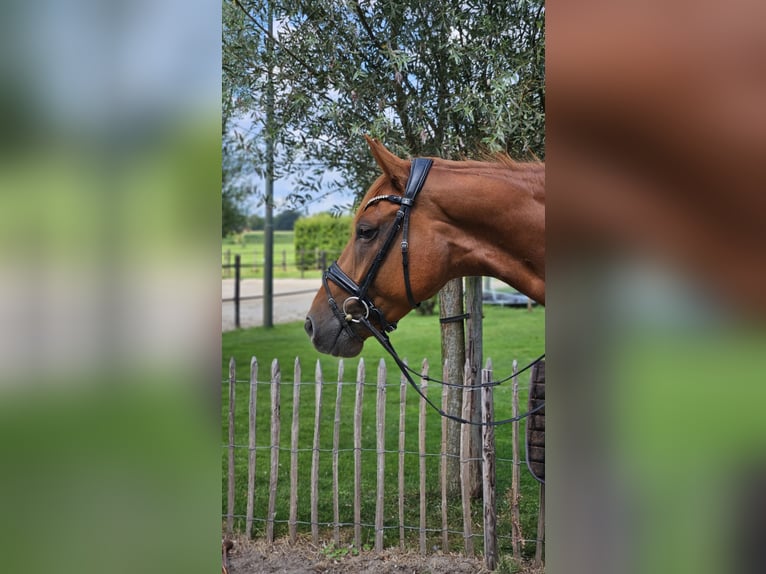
358,293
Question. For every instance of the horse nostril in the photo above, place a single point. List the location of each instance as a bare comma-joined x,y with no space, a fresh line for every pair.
309,327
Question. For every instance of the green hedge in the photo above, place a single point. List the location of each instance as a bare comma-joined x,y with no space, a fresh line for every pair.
318,233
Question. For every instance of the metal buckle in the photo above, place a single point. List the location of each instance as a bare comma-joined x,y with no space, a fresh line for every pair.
349,317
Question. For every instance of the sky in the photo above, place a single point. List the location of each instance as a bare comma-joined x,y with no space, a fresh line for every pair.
284,186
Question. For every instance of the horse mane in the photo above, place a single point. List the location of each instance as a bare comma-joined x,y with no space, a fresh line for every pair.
499,159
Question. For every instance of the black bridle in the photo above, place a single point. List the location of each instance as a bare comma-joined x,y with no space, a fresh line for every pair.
358,293
418,173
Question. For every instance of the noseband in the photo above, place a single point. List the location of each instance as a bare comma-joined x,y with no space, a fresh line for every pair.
358,293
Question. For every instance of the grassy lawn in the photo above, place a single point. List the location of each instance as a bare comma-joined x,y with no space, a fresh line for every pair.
509,334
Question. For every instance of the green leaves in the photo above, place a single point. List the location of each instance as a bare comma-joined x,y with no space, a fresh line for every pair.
429,78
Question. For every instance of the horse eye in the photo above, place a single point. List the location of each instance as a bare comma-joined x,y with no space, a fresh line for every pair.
366,233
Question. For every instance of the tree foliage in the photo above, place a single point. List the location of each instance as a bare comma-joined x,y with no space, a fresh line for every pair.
236,187
427,77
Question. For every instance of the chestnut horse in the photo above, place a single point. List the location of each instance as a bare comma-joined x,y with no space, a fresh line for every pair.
459,218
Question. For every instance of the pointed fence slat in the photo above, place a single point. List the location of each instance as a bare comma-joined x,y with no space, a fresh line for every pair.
358,454
402,444
488,469
443,460
230,490
335,449
422,454
251,447
380,428
294,430
276,380
319,386
465,465
516,534
540,528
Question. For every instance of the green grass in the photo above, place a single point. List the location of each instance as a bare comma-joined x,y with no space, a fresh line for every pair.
509,334
250,248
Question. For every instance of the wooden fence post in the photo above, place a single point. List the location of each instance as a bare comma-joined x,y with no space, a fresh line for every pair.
237,265
335,448
540,528
319,381
402,443
453,347
276,380
443,459
474,354
465,469
488,469
358,454
251,409
516,534
230,491
422,453
294,429
380,427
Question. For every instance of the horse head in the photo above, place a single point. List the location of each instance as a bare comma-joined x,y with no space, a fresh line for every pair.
393,280
422,223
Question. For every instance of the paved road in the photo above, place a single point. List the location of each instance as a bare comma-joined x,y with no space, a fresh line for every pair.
287,308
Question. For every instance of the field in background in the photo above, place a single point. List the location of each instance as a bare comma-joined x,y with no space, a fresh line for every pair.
250,248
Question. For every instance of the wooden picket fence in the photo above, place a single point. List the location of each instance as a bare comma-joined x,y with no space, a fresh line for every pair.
335,524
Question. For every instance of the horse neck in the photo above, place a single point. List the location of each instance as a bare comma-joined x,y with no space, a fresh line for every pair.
495,224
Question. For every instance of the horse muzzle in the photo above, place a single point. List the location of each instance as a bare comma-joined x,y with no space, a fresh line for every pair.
332,338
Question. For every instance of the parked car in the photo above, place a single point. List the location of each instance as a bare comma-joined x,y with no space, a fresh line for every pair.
505,299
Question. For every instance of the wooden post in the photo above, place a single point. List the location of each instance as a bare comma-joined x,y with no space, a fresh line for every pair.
465,453
422,453
540,528
474,354
516,534
453,348
294,429
251,447
443,462
488,470
315,455
402,416
276,381
237,265
380,427
335,447
284,260
358,454
230,491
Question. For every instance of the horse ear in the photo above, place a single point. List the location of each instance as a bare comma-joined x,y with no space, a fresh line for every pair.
395,168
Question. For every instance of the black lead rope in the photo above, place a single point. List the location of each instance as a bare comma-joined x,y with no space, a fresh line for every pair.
405,369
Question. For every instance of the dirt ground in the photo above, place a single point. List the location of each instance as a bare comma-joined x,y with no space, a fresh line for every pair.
256,556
